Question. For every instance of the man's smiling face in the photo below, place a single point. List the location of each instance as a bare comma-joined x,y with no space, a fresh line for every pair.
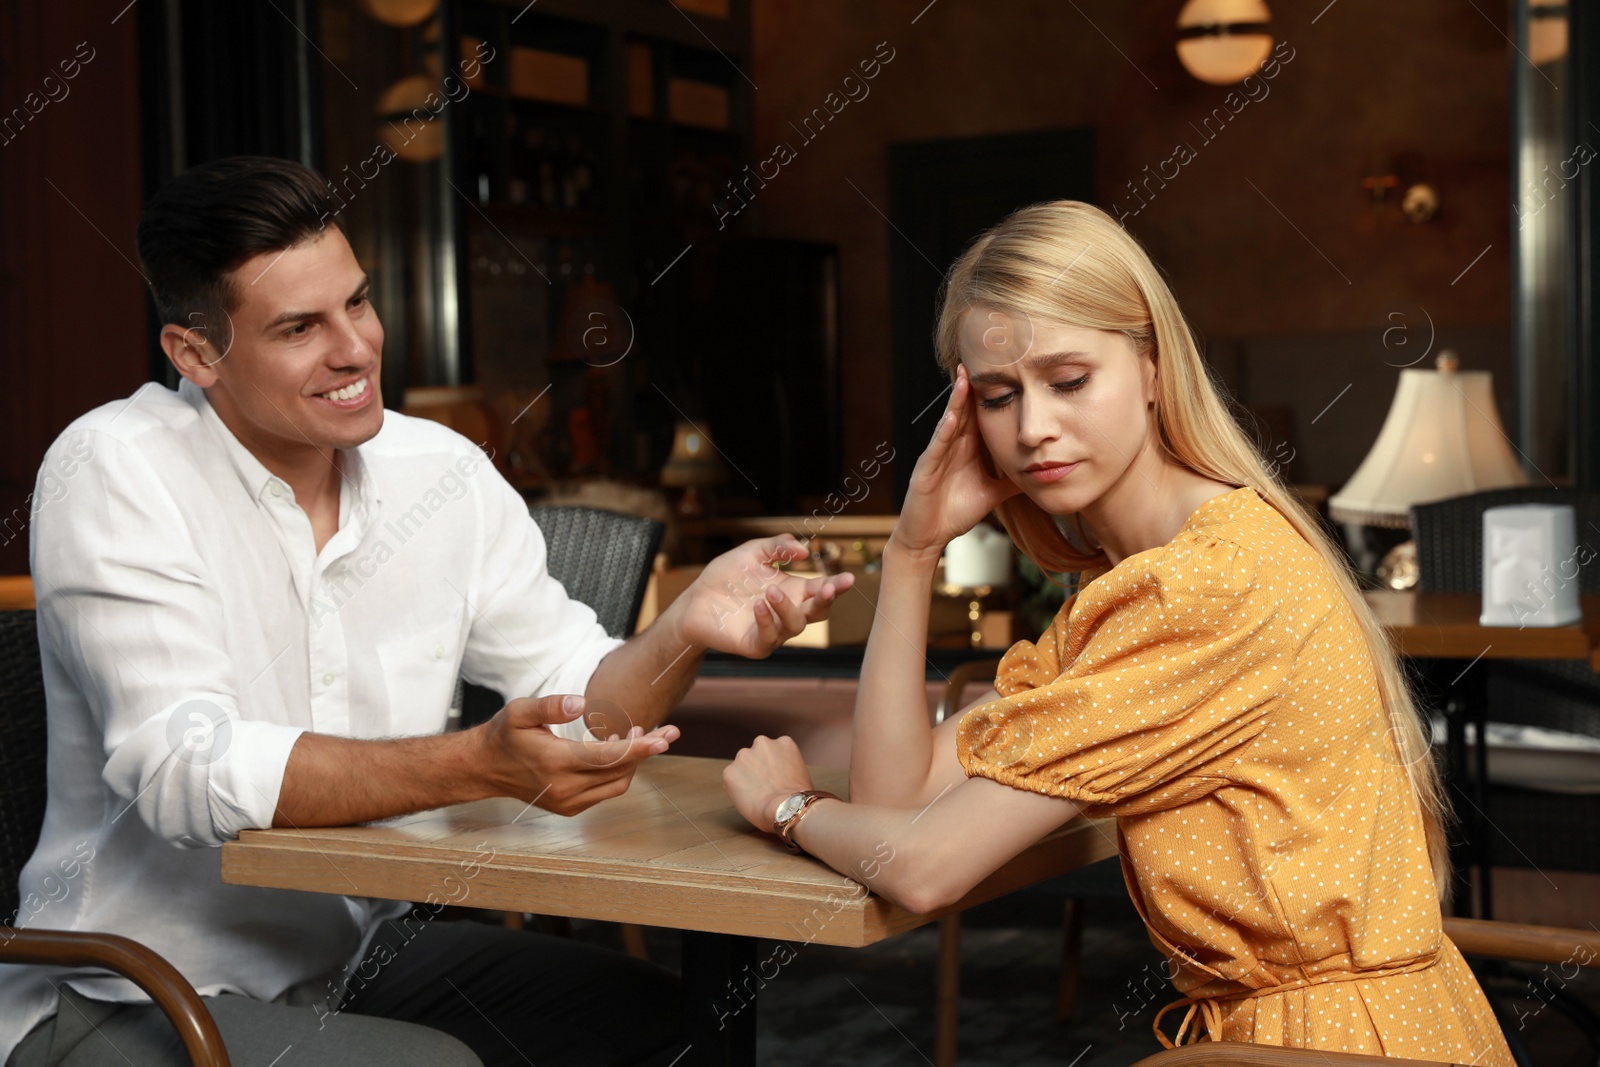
302,369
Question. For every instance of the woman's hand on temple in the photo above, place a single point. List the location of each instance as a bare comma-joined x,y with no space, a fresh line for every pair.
950,491
761,776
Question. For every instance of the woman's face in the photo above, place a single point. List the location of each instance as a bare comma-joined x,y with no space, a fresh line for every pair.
1062,410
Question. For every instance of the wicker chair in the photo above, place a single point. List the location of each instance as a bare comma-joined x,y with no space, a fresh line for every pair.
602,558
1449,534
22,800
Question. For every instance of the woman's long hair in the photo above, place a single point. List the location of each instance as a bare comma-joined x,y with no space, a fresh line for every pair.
1070,263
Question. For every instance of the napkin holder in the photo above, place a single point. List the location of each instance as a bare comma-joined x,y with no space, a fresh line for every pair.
1530,566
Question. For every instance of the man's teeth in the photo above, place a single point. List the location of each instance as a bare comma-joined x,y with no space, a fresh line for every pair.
349,392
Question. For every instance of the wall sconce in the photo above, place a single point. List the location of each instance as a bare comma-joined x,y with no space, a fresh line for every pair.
1378,186
1419,202
1223,42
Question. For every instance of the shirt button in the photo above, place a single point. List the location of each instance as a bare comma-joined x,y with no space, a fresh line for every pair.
438,653
275,489
327,679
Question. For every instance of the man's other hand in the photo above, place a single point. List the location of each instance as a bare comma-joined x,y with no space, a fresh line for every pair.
523,758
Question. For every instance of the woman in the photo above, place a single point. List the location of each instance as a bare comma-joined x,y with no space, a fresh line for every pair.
1217,684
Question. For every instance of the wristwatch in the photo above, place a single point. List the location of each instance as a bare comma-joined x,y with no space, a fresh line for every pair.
789,813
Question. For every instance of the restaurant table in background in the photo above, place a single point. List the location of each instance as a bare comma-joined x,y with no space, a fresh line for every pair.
671,852
1444,627
16,593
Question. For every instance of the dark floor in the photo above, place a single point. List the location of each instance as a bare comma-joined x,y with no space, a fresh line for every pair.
834,1007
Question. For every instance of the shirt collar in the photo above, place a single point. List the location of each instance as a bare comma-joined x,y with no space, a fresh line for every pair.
358,491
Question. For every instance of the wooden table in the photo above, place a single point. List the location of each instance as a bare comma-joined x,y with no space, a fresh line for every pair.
671,852
16,593
1444,626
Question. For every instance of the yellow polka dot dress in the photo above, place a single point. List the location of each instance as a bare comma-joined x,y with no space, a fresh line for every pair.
1216,697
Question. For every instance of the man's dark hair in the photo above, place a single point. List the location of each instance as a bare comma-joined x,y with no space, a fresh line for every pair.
209,220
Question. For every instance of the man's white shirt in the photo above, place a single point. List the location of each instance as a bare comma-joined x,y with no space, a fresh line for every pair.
190,632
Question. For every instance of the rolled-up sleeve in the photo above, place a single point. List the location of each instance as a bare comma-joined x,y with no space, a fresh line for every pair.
528,638
1139,698
129,612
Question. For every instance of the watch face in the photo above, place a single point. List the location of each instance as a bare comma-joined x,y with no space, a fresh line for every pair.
790,805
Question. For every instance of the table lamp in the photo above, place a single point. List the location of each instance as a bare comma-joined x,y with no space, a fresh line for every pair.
1441,438
694,462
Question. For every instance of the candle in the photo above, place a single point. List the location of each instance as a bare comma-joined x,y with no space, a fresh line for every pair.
981,556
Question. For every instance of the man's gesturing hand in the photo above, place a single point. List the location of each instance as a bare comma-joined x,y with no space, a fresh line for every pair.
743,604
524,759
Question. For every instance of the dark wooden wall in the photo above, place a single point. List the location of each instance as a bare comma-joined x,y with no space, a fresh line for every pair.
1266,236
72,303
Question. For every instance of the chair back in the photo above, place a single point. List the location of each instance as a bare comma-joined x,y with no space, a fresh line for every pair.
1449,535
603,558
22,752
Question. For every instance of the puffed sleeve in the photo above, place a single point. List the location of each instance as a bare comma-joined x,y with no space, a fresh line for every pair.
1144,686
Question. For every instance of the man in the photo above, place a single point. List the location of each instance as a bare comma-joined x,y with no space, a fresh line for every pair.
255,596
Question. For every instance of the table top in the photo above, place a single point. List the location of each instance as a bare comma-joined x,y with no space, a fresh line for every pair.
670,852
1445,626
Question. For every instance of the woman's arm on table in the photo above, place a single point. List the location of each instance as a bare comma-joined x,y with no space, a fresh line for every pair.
922,859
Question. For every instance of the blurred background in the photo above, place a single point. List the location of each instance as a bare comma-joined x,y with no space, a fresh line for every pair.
590,223
679,259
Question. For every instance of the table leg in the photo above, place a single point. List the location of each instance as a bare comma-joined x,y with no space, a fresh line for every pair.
1477,695
1456,714
720,983
1467,701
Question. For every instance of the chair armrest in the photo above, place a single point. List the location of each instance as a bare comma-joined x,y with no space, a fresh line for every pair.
140,965
1238,1054
978,670
1530,944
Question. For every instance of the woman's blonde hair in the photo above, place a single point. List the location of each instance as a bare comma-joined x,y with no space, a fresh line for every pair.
1070,263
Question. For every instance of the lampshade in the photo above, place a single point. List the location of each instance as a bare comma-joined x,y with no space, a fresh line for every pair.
1441,438
1223,41
694,460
